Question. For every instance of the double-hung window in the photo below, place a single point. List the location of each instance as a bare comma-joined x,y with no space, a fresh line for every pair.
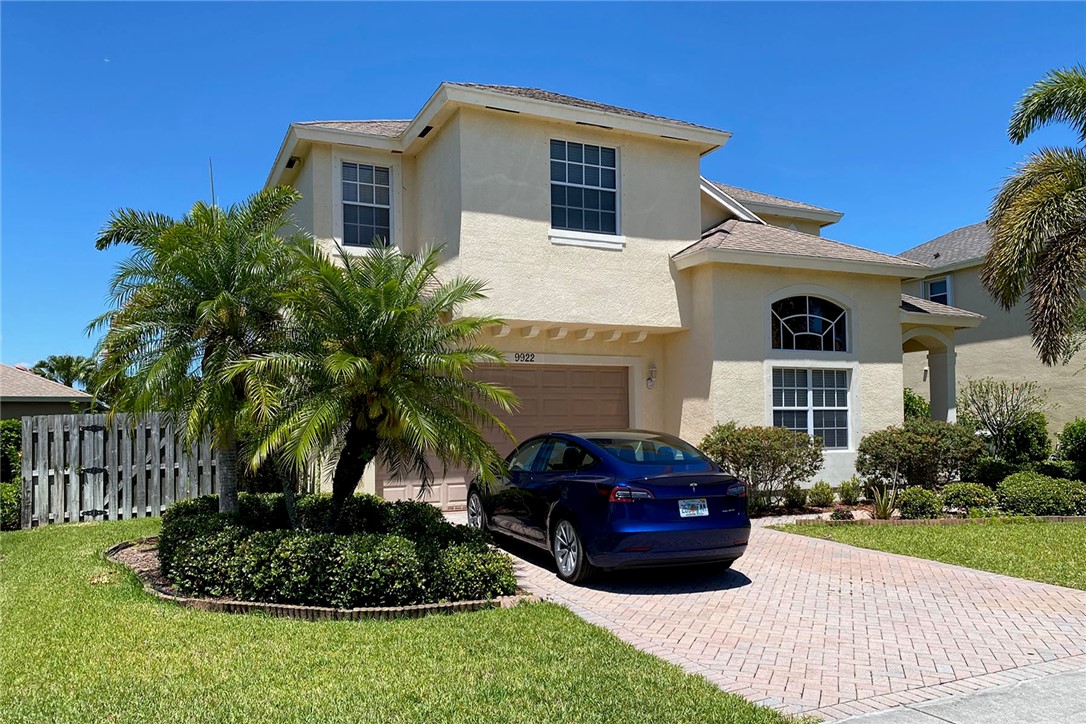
813,401
584,187
937,290
367,204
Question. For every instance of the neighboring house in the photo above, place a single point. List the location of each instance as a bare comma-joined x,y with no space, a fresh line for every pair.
635,293
1002,347
24,393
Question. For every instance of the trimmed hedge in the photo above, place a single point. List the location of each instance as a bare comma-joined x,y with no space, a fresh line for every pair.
921,452
1030,493
10,499
968,496
385,554
918,503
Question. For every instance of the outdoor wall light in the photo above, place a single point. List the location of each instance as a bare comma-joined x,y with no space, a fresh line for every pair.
651,381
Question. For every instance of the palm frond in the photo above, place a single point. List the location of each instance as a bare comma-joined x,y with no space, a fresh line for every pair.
1059,97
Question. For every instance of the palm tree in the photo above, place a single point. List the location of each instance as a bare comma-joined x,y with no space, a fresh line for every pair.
378,368
198,294
67,369
1038,219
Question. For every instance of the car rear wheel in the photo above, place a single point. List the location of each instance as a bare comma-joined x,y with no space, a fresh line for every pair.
476,514
569,554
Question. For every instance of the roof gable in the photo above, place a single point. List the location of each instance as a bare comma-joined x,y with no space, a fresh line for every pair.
23,385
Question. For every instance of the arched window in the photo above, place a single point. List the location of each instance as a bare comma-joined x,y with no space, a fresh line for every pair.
809,323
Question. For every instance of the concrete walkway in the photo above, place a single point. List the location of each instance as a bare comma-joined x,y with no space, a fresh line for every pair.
820,628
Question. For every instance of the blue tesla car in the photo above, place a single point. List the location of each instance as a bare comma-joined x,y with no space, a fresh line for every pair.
615,499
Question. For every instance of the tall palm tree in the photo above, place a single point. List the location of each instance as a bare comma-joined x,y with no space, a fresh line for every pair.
67,369
377,368
1038,219
198,294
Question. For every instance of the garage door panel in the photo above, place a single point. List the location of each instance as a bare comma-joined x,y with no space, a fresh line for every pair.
552,397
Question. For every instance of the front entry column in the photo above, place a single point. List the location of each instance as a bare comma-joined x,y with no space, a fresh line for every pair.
943,382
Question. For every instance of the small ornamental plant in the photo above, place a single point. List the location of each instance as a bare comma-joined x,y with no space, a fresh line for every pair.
841,513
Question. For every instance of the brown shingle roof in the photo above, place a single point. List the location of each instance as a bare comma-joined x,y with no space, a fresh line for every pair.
964,244
738,235
375,128
539,94
910,303
756,197
17,383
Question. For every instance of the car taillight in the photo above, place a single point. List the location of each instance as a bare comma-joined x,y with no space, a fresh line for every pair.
623,494
737,490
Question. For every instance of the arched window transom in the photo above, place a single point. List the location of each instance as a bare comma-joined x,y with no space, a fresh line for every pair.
809,324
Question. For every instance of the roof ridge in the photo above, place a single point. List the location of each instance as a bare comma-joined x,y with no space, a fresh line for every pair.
730,188
41,380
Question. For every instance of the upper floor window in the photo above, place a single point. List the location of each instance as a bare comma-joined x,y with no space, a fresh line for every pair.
937,290
584,187
367,204
809,323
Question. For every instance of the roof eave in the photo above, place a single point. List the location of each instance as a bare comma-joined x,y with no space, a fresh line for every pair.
947,268
824,217
298,134
45,398
728,201
940,320
792,261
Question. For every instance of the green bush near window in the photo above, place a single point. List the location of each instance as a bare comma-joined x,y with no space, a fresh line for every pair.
771,460
849,491
1029,493
928,453
10,499
919,504
385,554
820,495
966,497
795,497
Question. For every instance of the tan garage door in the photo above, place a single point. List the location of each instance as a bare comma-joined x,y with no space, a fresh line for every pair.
552,397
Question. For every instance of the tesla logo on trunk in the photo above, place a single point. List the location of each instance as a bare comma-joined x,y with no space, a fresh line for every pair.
693,486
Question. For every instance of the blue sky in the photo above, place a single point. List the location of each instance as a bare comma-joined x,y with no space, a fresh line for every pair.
892,113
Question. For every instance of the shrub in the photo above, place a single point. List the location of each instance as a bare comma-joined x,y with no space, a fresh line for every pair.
1028,441
1000,408
920,452
919,503
915,405
849,491
361,514
11,450
991,471
185,522
884,502
795,497
768,459
375,570
1073,445
820,495
968,496
10,500
206,565
1055,468
255,575
263,511
301,567
1029,493
840,513
466,573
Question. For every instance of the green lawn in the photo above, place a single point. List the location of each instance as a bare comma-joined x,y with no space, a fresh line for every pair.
81,641
1048,552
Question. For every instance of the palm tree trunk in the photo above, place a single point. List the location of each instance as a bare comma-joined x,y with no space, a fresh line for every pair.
228,474
359,450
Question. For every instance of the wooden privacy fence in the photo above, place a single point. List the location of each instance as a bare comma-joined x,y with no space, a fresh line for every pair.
83,467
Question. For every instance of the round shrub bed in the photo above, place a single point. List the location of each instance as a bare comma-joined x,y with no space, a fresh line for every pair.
1035,494
968,496
918,503
382,554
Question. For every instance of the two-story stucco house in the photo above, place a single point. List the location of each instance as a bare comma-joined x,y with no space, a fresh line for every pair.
1002,347
635,292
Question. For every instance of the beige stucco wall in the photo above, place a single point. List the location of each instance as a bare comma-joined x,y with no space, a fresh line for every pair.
506,219
712,213
1001,347
730,378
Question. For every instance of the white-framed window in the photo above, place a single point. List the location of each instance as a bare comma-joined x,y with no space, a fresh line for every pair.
366,203
808,323
937,290
584,187
814,401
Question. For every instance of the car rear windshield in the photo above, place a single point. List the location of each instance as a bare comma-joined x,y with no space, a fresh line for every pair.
648,449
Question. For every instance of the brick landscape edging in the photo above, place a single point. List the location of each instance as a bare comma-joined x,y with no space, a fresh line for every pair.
948,521
313,613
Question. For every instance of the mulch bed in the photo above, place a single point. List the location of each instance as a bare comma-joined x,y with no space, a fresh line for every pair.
141,557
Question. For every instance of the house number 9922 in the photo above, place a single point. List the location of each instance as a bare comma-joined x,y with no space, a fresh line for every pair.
524,357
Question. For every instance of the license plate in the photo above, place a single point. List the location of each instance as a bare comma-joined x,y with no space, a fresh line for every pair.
693,508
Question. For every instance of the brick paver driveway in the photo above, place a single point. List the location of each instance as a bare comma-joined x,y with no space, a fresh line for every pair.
818,627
